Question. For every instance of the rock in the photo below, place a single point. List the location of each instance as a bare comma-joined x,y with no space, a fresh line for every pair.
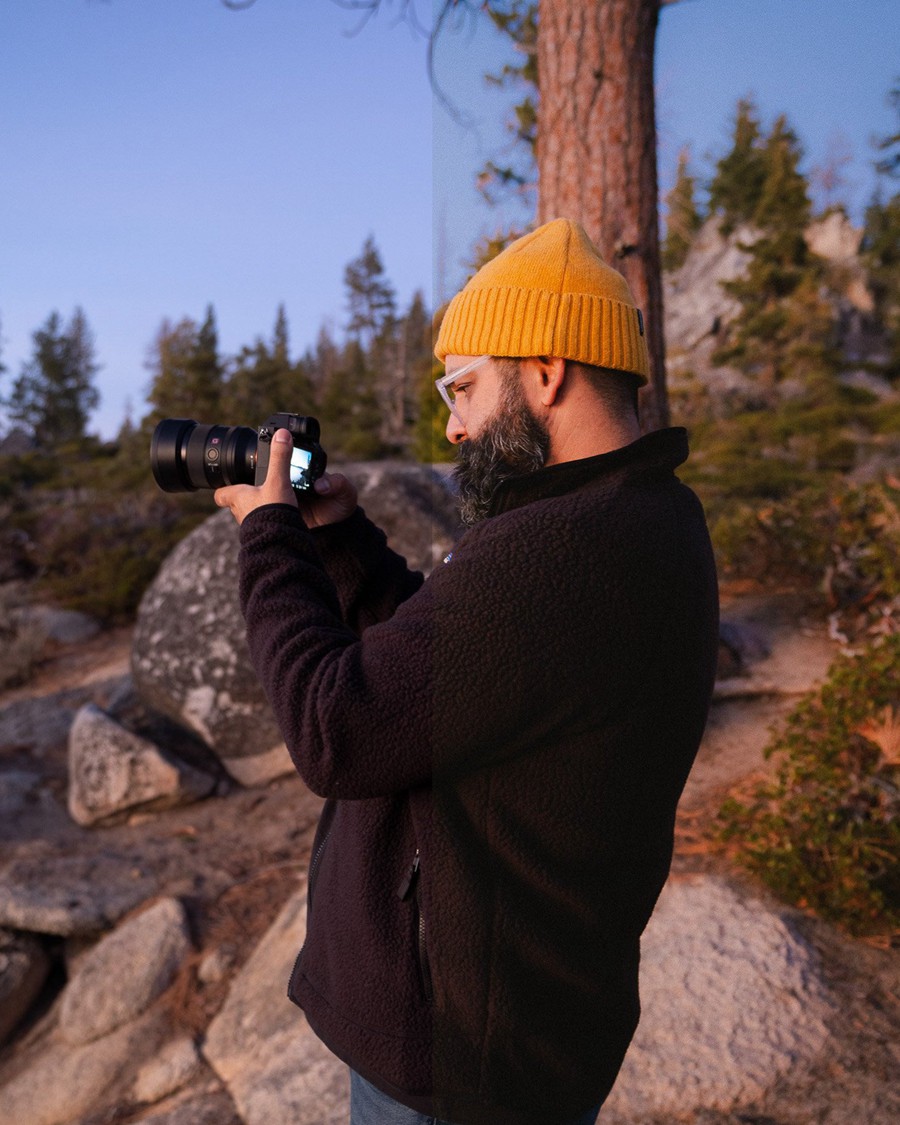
190,659
261,1046
112,772
29,807
834,238
216,965
739,646
213,1108
64,1084
70,895
24,966
732,997
35,725
797,662
125,972
17,789
65,626
697,306
174,1066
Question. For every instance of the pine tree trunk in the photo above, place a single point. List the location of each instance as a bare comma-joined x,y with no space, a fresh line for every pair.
596,149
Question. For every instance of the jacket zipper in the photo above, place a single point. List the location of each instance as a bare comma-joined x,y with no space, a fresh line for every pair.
313,867
409,884
424,967
310,880
409,878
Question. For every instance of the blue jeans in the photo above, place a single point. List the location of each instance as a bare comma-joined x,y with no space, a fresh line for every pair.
368,1106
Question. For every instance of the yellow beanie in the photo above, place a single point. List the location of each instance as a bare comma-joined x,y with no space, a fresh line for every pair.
548,293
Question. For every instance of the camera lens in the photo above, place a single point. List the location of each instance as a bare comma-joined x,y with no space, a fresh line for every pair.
186,455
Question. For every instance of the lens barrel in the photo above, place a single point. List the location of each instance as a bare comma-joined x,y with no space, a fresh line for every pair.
186,455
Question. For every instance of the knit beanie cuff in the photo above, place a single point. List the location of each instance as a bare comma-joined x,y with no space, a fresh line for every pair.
511,321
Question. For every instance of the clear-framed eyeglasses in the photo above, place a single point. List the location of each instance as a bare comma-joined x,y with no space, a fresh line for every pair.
447,384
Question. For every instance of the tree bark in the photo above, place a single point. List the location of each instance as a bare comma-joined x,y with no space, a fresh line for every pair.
596,148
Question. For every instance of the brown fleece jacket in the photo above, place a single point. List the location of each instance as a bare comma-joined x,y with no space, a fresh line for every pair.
503,747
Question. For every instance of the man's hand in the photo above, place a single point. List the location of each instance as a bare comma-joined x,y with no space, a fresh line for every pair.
333,497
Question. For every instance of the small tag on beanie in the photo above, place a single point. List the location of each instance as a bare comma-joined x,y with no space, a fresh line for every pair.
640,321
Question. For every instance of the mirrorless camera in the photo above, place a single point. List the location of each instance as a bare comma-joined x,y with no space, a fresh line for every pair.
186,455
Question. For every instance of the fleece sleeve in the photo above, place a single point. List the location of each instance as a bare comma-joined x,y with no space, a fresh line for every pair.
370,579
452,680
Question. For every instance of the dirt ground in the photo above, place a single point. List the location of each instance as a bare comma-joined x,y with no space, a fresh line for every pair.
236,857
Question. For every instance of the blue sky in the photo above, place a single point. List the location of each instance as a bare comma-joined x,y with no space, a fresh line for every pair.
162,155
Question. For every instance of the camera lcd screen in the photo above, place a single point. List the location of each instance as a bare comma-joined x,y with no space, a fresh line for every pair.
300,461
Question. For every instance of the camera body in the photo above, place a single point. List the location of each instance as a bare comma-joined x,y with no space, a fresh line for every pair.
186,455
308,458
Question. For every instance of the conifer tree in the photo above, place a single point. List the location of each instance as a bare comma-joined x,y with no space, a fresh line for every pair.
785,329
350,412
280,348
205,370
370,297
169,395
188,374
417,352
2,364
889,164
386,360
683,219
881,245
783,203
263,380
322,362
735,190
55,394
370,378
881,255
248,391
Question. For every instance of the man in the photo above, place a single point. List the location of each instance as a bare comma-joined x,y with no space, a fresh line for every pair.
502,745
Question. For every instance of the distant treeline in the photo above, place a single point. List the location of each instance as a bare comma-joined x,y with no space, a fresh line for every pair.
371,389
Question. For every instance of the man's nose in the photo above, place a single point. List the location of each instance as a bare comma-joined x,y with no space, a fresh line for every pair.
455,431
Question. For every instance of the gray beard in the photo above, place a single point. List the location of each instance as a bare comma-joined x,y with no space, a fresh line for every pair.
512,443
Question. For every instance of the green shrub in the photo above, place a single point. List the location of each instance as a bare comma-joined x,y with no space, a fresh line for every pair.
21,639
825,834
99,553
24,472
885,418
840,540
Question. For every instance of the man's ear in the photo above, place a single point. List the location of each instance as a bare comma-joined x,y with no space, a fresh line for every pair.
553,375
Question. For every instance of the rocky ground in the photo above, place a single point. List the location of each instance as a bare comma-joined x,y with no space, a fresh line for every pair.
753,1013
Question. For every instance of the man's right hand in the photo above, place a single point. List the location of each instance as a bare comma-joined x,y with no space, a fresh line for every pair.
333,499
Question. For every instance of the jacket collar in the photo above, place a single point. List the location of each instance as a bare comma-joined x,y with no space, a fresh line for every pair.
662,450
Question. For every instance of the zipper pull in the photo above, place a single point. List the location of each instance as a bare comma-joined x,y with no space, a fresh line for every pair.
409,878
